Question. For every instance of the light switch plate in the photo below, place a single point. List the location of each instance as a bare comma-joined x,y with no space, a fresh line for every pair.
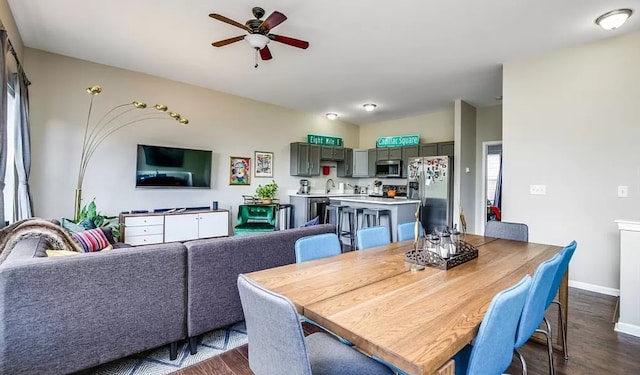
537,189
623,191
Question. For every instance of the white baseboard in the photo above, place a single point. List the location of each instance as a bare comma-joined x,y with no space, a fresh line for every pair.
629,329
594,288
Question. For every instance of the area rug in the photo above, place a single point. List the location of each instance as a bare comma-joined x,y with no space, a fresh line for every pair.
156,362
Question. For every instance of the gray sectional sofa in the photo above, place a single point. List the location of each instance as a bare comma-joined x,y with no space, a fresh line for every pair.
64,314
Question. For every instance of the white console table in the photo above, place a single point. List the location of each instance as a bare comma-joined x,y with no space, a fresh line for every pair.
629,320
153,228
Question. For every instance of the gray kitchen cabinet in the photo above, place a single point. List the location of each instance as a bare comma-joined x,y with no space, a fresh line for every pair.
382,154
437,149
395,153
389,153
372,153
335,153
345,168
408,152
361,163
429,149
445,148
304,159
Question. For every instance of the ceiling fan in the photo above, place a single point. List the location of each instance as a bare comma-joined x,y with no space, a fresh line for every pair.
259,33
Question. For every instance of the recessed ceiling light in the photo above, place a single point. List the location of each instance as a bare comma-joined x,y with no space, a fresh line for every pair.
614,19
332,116
369,107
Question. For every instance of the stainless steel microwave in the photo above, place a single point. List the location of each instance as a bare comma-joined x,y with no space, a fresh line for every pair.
389,168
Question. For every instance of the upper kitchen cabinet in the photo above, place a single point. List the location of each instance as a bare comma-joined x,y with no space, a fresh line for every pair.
335,153
345,168
437,149
389,153
372,154
429,149
361,163
445,148
304,159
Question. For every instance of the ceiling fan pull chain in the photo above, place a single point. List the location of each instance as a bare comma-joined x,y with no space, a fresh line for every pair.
256,59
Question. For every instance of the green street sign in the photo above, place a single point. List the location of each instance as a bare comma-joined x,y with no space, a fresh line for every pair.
398,140
324,140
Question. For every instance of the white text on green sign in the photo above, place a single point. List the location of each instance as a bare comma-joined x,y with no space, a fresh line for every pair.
398,140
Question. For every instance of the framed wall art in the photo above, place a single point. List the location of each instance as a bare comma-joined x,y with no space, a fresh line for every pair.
263,164
239,170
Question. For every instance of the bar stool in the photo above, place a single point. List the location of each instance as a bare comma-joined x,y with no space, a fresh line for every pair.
375,214
337,213
351,214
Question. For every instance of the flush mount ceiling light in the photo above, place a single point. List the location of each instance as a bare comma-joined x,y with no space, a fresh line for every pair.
332,116
614,19
369,107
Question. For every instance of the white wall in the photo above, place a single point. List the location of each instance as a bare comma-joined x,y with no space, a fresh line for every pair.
571,122
226,124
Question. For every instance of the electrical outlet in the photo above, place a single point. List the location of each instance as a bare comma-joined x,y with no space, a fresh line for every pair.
623,191
537,189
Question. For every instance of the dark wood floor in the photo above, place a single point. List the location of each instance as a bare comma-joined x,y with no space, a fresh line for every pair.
594,347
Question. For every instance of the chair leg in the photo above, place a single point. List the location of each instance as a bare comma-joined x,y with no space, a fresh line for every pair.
173,350
549,337
522,361
563,327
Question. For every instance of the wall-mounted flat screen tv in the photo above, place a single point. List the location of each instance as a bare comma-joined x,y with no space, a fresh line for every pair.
171,167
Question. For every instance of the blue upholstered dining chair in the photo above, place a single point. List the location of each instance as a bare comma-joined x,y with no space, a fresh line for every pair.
534,308
566,254
316,247
506,230
492,349
406,231
277,344
372,237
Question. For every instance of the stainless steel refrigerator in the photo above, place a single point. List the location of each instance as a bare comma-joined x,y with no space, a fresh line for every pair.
430,179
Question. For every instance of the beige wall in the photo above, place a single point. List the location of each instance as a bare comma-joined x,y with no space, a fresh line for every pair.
226,124
431,127
464,161
6,18
488,128
571,122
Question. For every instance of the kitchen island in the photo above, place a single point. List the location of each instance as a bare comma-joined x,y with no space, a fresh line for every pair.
402,209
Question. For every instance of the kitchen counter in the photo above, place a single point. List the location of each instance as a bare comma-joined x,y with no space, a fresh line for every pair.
374,200
402,210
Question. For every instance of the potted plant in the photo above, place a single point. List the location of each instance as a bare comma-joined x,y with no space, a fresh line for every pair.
89,217
267,192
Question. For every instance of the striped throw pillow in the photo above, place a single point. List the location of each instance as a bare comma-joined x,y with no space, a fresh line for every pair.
92,240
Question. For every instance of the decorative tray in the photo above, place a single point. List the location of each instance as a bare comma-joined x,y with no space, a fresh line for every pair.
464,253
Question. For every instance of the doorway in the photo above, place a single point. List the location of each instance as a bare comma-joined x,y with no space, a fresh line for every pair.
491,202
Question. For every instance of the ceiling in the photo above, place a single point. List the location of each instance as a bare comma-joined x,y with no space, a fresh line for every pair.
409,57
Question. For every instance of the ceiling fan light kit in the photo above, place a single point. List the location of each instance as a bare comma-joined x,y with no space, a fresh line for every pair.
332,116
257,41
369,107
613,19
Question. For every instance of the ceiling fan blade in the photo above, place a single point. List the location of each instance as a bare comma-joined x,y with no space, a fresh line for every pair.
272,21
290,41
265,53
229,21
221,43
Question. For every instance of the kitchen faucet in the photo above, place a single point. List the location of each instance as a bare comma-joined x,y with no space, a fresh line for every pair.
327,185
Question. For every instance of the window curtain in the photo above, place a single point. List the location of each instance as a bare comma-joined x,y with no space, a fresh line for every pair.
22,148
4,46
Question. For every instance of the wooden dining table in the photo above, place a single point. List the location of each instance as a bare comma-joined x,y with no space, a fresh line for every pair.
414,320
